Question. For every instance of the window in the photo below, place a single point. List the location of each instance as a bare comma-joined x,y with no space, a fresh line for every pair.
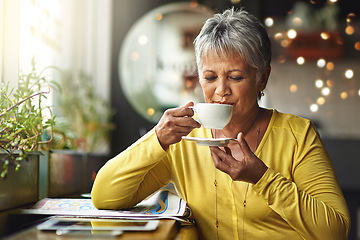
72,35
9,32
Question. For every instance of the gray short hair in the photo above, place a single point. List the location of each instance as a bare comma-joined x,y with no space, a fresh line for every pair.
235,32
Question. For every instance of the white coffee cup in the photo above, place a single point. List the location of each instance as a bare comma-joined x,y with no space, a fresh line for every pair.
213,115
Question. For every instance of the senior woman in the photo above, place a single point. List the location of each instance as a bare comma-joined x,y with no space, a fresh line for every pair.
276,181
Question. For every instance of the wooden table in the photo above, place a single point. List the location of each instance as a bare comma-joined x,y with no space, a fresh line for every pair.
167,229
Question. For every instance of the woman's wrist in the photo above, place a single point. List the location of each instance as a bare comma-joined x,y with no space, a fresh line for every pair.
260,173
164,146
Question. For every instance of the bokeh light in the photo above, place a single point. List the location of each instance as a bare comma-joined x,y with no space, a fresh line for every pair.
330,66
285,43
357,46
269,22
349,73
319,83
321,63
159,17
297,21
350,17
349,30
234,1
291,34
293,88
325,91
281,59
344,95
300,60
278,36
143,40
320,101
150,111
330,83
324,35
314,107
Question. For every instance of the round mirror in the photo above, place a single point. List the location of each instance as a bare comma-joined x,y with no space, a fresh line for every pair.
157,67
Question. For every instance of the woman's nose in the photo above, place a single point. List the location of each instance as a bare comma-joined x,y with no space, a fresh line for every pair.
222,88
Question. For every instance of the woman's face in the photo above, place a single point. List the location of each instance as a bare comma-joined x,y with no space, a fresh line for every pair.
230,81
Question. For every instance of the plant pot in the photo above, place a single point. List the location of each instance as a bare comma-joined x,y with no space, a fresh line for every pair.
22,187
66,173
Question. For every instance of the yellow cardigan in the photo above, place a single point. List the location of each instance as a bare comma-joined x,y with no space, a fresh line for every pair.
297,198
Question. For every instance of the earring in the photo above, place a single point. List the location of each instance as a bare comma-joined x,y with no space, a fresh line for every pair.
262,93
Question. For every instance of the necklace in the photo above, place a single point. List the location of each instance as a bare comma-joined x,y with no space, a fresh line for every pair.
247,186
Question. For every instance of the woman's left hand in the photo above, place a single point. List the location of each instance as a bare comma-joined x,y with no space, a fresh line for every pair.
248,169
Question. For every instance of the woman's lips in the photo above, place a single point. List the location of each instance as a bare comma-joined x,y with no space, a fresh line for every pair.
227,103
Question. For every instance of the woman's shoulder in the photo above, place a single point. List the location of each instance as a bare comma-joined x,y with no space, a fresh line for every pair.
291,121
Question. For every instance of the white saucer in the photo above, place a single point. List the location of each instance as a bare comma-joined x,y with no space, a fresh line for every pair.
217,142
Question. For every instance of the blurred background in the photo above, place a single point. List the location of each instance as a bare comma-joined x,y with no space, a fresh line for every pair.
134,59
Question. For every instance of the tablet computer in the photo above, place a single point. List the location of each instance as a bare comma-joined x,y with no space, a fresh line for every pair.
66,224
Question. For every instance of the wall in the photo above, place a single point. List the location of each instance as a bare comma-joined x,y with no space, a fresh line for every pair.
337,117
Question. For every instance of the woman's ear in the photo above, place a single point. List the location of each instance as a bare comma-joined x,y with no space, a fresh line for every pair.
265,78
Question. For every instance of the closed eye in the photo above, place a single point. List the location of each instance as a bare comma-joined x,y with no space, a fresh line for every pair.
210,78
236,78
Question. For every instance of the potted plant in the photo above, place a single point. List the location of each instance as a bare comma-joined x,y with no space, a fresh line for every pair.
76,152
82,129
84,116
69,158
24,118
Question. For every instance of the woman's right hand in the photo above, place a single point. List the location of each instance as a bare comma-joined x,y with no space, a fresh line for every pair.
175,123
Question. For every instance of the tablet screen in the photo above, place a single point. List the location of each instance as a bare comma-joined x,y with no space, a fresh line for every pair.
89,233
57,223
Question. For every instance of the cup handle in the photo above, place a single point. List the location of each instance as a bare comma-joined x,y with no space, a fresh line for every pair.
194,109
197,120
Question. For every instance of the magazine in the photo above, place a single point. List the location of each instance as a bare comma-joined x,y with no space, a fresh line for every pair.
162,204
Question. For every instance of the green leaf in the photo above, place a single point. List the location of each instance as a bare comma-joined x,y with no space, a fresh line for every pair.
3,173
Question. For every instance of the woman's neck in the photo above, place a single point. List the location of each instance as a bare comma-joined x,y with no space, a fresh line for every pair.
237,125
